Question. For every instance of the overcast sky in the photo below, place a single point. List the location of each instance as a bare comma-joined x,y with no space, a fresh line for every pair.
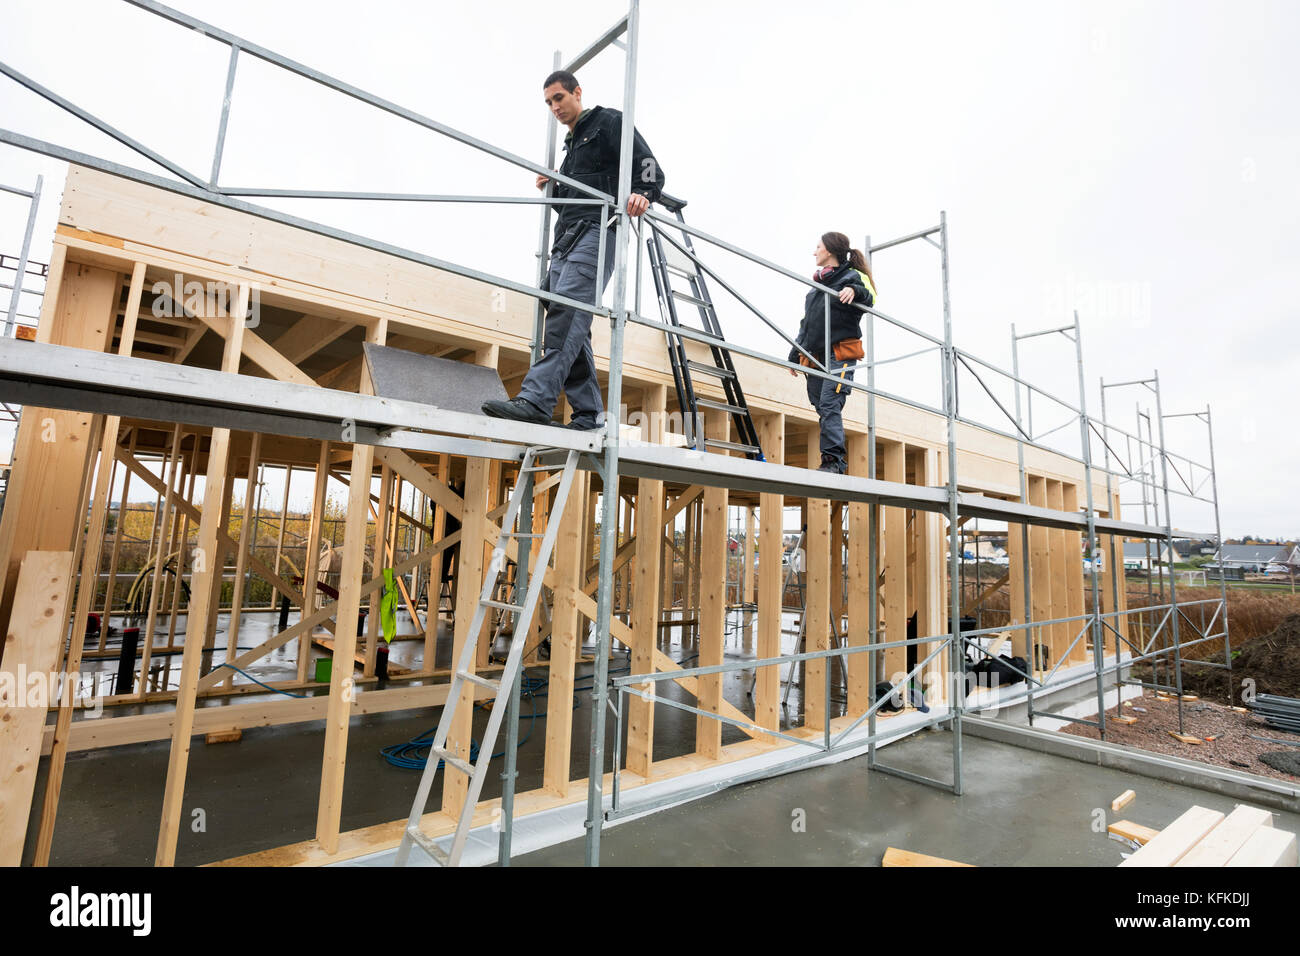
1137,161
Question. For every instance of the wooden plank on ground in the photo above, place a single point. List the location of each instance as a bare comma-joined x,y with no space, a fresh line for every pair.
1122,801
1176,840
1228,837
896,857
1267,846
1132,831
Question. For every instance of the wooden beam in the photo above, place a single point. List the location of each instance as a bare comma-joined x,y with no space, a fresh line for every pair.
565,633
51,447
771,577
817,606
1073,548
1177,839
713,600
896,857
1132,831
1040,577
859,633
646,609
311,552
329,811
247,531
932,580
89,579
1063,633
309,335
894,566
34,639
1226,840
204,593
1266,847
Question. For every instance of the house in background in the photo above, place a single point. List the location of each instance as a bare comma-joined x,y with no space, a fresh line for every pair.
1254,558
1136,555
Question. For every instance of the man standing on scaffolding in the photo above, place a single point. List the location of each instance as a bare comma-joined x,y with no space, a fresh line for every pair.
591,157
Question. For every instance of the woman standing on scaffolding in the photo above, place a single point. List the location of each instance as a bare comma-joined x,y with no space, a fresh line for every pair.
843,268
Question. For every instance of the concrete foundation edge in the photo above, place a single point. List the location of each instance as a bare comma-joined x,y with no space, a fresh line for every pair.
1259,790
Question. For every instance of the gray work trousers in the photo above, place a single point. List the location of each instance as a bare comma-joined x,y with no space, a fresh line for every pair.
567,363
827,398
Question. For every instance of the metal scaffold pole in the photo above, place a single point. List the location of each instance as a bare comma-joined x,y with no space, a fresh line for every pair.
20,275
1093,550
1218,540
1116,566
610,496
1169,545
956,656
1031,648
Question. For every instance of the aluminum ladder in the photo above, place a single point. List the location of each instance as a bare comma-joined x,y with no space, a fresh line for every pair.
535,460
669,258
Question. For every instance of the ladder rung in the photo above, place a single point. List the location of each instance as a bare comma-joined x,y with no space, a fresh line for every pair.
426,843
678,270
730,445
502,605
451,760
694,300
721,406
480,680
710,369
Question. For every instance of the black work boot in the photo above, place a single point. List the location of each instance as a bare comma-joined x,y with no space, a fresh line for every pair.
831,466
517,409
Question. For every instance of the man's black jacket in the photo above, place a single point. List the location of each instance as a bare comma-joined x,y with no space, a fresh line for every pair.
592,158
846,320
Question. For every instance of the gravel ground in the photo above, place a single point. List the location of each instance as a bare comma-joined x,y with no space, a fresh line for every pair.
1231,747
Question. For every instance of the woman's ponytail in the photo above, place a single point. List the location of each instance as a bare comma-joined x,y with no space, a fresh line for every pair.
837,244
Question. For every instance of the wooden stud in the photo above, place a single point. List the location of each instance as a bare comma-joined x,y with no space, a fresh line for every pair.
382,556
204,594
646,609
329,810
566,630
171,493
894,567
1074,577
859,634
771,576
247,533
817,603
311,554
932,579
1058,545
1040,578
712,583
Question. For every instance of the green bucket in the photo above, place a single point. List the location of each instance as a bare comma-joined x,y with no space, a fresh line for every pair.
323,669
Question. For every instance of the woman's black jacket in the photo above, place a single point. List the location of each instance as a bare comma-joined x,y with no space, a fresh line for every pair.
846,320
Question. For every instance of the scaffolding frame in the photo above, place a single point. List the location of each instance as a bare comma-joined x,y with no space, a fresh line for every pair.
124,385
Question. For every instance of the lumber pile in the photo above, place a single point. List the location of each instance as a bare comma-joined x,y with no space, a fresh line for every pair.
1204,837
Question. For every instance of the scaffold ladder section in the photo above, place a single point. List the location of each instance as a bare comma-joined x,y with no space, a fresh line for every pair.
476,771
668,260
